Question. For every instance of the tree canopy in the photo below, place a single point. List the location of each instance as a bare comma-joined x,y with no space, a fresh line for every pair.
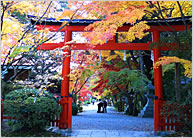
20,37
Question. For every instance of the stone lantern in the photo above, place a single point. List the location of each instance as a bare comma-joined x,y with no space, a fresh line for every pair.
148,109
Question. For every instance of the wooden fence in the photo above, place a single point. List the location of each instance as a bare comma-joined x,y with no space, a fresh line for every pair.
174,116
55,123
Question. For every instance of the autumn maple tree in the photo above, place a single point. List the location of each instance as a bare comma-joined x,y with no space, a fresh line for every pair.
20,39
115,14
86,64
18,36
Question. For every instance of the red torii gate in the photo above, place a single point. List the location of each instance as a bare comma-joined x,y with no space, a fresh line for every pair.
78,26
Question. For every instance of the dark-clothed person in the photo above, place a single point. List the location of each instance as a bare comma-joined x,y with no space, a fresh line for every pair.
105,106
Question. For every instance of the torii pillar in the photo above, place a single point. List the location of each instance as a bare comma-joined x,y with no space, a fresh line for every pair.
157,82
65,121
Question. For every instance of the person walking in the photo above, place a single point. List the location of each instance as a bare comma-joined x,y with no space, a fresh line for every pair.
105,106
93,100
100,104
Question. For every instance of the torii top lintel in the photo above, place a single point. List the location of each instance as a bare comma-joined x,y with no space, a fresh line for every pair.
78,25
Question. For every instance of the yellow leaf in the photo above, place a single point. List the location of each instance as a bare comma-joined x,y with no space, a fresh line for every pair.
66,14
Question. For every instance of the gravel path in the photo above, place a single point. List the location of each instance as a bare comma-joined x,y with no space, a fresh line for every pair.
89,119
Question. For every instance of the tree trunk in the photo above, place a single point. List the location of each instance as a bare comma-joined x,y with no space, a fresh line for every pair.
130,102
141,62
75,99
177,79
148,63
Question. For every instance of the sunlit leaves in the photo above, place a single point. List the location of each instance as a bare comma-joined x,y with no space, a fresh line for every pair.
66,14
18,50
137,31
107,54
167,60
14,31
166,9
106,92
111,57
115,15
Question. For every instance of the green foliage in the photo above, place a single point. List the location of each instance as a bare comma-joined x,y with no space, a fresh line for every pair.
30,108
168,67
21,18
106,75
86,73
186,94
119,106
7,87
120,64
168,72
133,78
139,100
17,50
74,109
80,108
132,84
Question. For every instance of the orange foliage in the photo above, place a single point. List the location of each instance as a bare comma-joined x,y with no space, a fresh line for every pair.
167,60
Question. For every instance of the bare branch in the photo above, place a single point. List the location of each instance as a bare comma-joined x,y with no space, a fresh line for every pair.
2,15
159,10
35,22
82,85
77,78
186,27
70,20
7,56
174,32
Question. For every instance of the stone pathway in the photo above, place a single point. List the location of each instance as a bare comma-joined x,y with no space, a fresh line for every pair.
110,133
111,124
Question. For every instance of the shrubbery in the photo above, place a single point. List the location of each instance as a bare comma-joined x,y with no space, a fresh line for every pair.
7,87
119,106
80,108
74,109
30,108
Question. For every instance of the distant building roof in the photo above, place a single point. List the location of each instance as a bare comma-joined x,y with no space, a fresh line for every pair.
18,67
53,21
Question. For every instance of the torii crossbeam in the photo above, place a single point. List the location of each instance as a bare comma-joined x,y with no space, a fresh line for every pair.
78,26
